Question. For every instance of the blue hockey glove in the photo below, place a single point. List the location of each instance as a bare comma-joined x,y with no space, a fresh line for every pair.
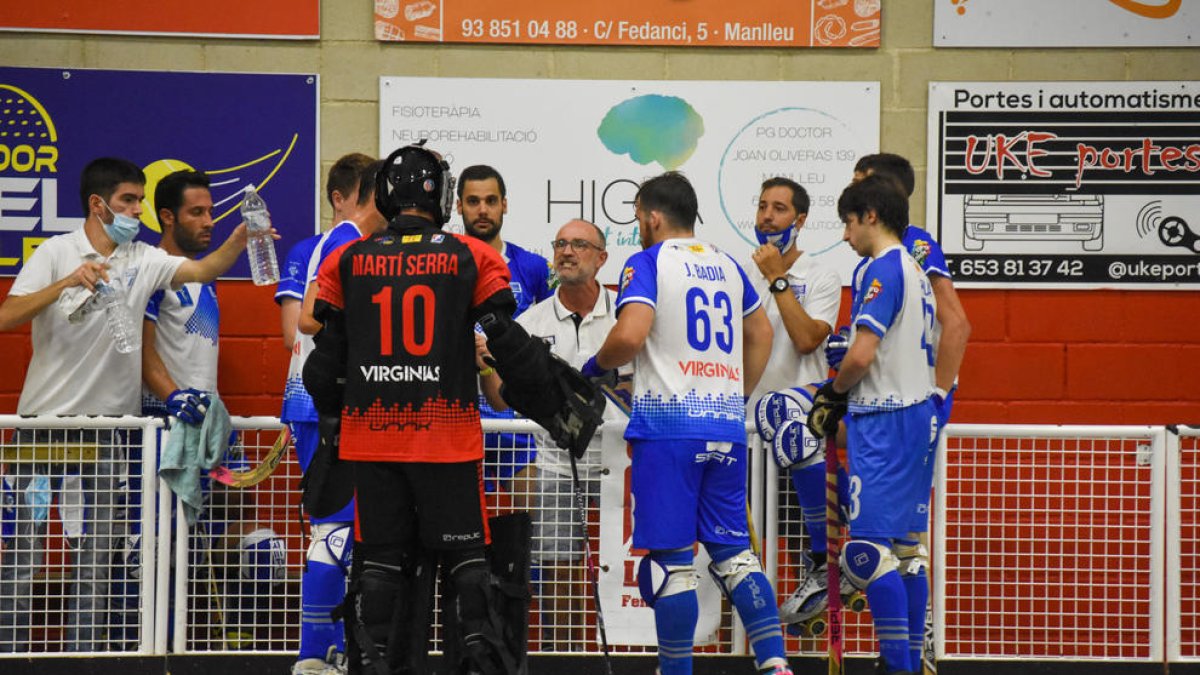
592,370
836,346
943,401
189,405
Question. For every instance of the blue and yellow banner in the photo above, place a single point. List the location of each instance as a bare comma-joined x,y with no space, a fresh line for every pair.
238,128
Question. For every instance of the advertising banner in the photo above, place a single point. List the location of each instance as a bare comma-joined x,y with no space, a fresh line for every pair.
663,23
240,129
1066,23
628,619
296,19
579,149
1067,184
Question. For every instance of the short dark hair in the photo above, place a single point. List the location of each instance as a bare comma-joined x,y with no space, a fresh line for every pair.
799,194
344,174
672,195
480,172
878,193
366,182
168,194
101,177
895,166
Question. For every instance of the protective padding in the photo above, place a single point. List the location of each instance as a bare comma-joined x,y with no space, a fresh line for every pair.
657,580
865,561
263,556
331,544
731,572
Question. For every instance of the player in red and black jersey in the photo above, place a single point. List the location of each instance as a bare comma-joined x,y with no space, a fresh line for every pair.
396,362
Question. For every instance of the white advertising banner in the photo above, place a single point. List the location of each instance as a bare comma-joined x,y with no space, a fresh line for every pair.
1066,23
578,149
1067,184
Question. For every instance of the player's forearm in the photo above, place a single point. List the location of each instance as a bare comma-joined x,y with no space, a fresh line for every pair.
212,265
307,323
17,310
289,316
858,361
956,330
489,385
952,349
154,371
627,337
806,333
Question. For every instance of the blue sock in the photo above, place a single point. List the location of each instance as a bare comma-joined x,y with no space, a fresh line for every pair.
675,618
322,588
755,602
889,608
809,484
917,588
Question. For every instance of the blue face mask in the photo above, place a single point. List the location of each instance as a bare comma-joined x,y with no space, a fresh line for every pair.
783,239
123,228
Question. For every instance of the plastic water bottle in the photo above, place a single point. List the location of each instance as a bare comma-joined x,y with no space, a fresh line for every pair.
260,247
126,333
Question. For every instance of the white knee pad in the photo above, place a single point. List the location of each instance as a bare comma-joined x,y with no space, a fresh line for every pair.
913,558
263,556
656,580
331,544
731,572
865,561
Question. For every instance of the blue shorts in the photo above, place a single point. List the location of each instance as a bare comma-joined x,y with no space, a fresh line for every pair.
891,458
305,438
686,491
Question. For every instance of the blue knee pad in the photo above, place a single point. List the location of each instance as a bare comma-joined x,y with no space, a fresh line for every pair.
322,588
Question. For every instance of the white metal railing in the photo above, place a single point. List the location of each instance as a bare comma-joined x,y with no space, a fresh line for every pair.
1049,542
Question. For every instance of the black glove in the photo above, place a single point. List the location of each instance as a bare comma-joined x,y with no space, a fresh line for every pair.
828,408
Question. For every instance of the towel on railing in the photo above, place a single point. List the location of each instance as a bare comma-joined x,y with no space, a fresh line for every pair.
190,448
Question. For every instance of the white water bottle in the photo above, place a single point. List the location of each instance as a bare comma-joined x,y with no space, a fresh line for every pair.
126,333
260,247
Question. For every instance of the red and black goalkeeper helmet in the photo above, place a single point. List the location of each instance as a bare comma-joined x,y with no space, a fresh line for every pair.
415,177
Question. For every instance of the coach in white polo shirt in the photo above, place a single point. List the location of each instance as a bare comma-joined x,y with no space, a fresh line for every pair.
76,370
575,321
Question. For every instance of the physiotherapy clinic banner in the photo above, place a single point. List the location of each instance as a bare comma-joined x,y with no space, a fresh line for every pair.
665,23
1111,24
1067,184
288,19
238,128
580,148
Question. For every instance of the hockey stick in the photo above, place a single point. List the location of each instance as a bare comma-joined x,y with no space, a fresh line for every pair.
256,475
593,576
833,558
929,649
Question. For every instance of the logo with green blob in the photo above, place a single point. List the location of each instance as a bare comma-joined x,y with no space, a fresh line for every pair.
652,128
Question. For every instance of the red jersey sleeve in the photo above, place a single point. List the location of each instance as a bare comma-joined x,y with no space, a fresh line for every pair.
329,277
493,271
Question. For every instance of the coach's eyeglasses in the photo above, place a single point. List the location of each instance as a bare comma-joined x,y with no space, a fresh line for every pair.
578,245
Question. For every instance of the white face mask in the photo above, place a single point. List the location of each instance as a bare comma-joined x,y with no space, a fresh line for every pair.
123,228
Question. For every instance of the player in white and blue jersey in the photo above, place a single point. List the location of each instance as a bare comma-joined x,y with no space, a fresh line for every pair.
350,191
180,348
482,204
692,323
886,382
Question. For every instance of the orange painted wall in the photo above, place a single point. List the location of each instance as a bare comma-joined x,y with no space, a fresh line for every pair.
1037,357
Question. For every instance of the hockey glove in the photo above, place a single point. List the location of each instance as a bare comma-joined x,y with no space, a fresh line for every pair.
828,408
836,346
188,405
